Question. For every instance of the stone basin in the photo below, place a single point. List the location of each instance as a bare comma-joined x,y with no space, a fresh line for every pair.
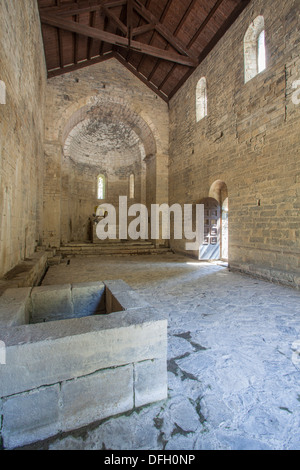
76,354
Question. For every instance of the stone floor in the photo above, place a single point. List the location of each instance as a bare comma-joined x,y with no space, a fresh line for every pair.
233,360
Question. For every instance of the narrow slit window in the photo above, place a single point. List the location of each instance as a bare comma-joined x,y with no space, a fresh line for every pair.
131,187
261,60
101,189
201,99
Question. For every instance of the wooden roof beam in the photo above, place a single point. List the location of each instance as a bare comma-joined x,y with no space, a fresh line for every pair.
116,40
74,9
162,30
178,28
129,21
116,20
161,19
143,29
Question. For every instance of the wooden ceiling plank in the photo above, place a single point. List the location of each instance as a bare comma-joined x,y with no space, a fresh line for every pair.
161,19
129,21
91,40
205,22
162,30
74,67
115,40
75,41
162,84
60,48
185,16
106,21
177,30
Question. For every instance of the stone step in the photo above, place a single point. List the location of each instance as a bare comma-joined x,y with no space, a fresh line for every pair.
111,251
104,247
55,260
107,245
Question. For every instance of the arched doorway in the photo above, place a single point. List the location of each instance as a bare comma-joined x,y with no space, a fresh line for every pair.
215,246
210,249
224,230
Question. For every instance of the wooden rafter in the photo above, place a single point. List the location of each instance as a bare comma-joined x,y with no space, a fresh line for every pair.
129,21
178,28
143,29
161,19
162,30
140,21
115,19
81,65
75,9
114,39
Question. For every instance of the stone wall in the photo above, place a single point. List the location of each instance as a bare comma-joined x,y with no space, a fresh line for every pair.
100,120
249,141
22,69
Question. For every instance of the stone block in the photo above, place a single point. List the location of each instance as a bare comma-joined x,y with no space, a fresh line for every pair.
14,307
127,301
51,303
98,396
151,382
30,417
88,299
112,289
116,286
119,298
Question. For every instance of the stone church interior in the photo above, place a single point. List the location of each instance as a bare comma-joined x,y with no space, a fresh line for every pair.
140,343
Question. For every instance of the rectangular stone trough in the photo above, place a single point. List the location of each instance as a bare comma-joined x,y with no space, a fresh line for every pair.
76,354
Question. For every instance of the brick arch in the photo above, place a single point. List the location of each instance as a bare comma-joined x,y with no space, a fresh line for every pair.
111,110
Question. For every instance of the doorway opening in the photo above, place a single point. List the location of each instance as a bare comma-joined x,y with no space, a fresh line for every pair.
216,235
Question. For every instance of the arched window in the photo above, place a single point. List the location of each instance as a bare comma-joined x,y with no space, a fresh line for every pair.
254,49
101,187
131,186
2,92
261,52
201,99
